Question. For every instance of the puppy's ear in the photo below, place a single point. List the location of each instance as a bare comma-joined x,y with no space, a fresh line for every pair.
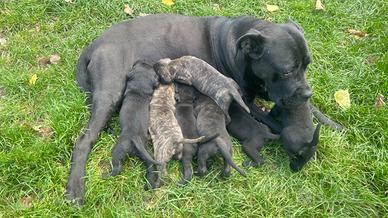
251,44
294,24
163,72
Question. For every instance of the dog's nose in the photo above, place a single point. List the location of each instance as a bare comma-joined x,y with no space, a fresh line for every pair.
307,93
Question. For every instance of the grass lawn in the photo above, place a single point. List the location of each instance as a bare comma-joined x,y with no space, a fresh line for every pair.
39,123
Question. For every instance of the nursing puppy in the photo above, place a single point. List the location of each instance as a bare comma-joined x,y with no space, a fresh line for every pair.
165,131
211,119
251,134
206,79
134,118
185,116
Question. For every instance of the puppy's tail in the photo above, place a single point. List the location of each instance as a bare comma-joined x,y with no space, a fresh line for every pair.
201,139
315,140
237,97
227,157
144,155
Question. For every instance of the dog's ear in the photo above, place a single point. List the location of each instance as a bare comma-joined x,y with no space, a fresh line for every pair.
294,24
163,72
251,44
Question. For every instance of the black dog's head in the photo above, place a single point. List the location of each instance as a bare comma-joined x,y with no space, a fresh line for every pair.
163,70
278,57
299,150
142,78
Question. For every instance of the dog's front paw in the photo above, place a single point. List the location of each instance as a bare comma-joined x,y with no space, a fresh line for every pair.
250,163
74,193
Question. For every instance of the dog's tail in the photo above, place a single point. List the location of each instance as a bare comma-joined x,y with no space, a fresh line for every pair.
237,97
325,119
144,155
227,157
315,139
82,71
201,139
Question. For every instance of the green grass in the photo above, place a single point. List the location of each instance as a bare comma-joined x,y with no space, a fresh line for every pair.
348,177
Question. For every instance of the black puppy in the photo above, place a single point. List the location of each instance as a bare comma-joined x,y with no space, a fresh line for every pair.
211,119
299,137
251,133
134,118
185,115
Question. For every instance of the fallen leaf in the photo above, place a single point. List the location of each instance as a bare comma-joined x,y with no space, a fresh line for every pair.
143,14
54,59
43,61
168,2
3,40
128,10
2,92
272,8
342,97
357,33
37,27
216,7
319,6
371,59
69,1
26,201
33,79
379,102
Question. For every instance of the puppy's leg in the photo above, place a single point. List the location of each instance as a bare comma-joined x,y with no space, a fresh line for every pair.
120,151
188,154
251,148
106,96
205,151
150,175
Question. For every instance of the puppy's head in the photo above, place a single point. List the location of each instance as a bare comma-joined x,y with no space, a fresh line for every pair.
163,70
142,77
299,150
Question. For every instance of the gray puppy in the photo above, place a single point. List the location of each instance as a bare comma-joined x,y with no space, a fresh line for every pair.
251,133
184,113
165,131
210,119
299,137
134,118
206,79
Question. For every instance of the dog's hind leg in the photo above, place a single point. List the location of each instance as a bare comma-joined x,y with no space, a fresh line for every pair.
205,151
187,155
250,147
106,97
150,175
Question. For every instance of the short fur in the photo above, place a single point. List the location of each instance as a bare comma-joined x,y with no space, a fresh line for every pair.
210,119
205,78
251,134
165,131
134,118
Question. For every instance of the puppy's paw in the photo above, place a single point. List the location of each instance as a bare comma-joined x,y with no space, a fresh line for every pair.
74,194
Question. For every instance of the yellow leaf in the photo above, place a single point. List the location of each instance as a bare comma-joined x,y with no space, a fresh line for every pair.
33,79
168,2
272,8
128,10
342,97
379,102
319,6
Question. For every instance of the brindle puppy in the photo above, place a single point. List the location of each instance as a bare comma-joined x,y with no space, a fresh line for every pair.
210,119
165,131
206,79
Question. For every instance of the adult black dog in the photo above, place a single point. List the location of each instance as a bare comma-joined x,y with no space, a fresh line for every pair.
266,59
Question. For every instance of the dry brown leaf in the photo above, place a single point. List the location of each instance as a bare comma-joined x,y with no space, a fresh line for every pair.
379,102
371,59
319,6
357,33
128,10
26,201
54,59
143,14
168,2
43,61
272,8
37,28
